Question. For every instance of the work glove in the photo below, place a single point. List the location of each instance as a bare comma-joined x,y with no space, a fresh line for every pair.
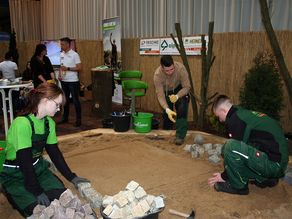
171,114
43,199
173,98
76,180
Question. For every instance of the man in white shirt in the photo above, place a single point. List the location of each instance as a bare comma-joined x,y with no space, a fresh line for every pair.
70,67
8,67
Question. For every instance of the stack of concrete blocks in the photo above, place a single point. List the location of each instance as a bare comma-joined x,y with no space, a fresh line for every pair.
133,202
67,207
198,149
90,194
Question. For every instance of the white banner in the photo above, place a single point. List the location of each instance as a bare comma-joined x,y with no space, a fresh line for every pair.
166,46
111,30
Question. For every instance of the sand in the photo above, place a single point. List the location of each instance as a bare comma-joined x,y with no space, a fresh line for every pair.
111,160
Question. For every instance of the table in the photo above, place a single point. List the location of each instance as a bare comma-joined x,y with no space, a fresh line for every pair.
10,87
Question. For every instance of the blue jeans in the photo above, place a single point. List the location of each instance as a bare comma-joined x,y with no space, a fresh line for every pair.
72,88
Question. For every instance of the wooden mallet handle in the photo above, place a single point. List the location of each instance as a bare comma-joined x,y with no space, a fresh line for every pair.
174,212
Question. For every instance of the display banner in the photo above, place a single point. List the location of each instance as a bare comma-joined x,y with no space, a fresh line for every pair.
111,31
166,46
150,47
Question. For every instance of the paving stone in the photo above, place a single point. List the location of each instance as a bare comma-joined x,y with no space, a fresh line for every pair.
107,200
159,203
140,192
38,209
89,217
82,186
116,213
86,209
137,211
214,159
66,197
75,203
195,147
127,211
78,215
108,210
59,213
199,139
201,151
207,146
89,191
41,216
144,205
132,186
130,196
70,212
95,201
188,147
218,148
49,211
195,154
212,151
150,199
122,201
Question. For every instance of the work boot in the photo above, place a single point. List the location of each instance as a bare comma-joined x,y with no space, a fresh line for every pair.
179,141
226,187
266,183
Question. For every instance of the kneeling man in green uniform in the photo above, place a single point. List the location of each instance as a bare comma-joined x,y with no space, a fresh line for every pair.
257,151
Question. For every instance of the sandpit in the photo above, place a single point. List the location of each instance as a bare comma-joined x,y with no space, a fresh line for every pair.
111,160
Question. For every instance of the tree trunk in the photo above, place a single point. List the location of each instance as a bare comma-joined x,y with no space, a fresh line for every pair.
183,55
276,48
207,61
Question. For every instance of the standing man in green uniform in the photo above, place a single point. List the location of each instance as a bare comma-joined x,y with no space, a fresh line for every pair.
257,151
172,86
26,178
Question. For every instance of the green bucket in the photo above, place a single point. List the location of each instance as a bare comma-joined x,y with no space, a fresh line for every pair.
142,122
2,153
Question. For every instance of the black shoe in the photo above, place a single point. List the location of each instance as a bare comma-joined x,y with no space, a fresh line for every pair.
77,123
266,183
179,141
226,187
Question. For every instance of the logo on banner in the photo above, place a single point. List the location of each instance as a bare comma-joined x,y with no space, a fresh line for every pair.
164,45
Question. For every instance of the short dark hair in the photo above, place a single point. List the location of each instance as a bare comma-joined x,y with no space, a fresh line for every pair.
219,100
66,39
166,60
39,48
8,55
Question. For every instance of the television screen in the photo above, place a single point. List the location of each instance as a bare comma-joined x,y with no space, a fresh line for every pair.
54,50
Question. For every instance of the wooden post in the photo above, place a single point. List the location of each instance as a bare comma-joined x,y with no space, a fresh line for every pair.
207,61
276,48
183,55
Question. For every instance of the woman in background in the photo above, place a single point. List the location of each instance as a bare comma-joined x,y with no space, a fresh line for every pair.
27,73
41,66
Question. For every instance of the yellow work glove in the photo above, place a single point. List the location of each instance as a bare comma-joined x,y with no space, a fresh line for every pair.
51,81
171,114
173,98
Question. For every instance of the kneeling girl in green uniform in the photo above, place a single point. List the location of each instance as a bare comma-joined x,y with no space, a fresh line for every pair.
26,178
